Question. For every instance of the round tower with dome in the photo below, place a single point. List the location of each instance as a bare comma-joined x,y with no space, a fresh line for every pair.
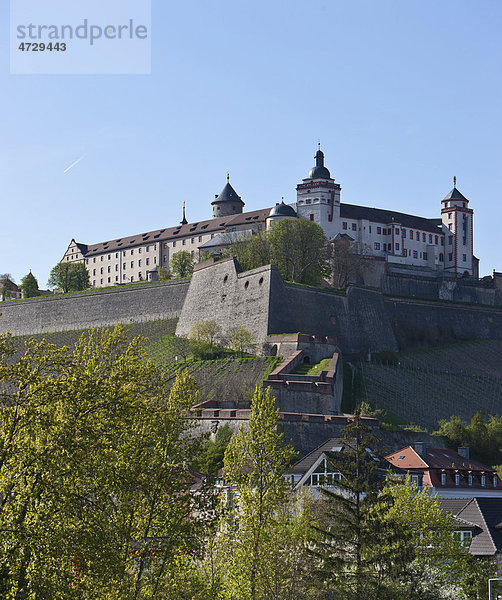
227,202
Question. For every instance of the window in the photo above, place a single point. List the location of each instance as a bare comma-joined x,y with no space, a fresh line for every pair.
354,227
124,266
430,238
450,240
397,247
449,226
109,269
415,254
470,479
416,479
344,225
86,261
411,235
308,201
165,258
425,255
192,241
443,478
441,257
174,244
397,230
464,537
94,260
102,258
483,480
101,271
457,479
116,254
109,280
101,281
147,262
183,242
116,267
139,250
94,271
139,263
148,248
449,215
436,240
154,260
116,277
450,256
424,237
377,246
442,241
464,257
124,252
132,251
132,264
404,234
165,245
405,252
109,257
495,481
123,276
370,228
200,238
311,217
94,283
379,230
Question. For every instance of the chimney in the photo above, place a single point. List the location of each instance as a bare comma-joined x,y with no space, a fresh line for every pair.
420,448
465,452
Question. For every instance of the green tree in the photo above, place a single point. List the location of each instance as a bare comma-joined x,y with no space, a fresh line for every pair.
163,274
69,277
358,553
254,465
298,249
210,460
208,332
252,252
29,286
433,543
94,472
484,437
242,340
182,264
7,286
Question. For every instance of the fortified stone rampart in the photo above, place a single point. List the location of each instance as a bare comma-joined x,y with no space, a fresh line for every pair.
102,308
314,394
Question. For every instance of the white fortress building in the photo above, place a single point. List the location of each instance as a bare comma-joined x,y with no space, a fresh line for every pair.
437,245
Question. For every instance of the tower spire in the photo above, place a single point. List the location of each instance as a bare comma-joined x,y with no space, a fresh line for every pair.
228,177
454,181
184,220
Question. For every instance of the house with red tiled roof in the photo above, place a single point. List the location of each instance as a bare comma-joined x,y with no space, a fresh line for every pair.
446,473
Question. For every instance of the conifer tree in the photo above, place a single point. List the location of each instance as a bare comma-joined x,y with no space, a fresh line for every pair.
357,553
29,286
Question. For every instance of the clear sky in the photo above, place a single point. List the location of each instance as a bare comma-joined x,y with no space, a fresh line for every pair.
402,94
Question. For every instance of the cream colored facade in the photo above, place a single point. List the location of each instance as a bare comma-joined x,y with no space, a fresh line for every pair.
443,244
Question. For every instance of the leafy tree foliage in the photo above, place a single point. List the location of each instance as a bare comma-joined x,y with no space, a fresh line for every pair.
296,246
346,259
94,473
29,286
242,340
164,274
254,465
69,277
484,437
7,286
298,249
210,460
208,332
182,264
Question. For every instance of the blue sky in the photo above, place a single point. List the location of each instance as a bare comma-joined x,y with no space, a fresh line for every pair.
403,96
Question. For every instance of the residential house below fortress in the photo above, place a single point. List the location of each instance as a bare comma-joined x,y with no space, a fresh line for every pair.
437,245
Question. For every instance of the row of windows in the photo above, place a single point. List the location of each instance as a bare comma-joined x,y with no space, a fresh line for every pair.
124,278
470,479
412,234
124,253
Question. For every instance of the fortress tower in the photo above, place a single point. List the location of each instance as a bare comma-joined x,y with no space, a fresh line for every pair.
318,197
227,202
457,218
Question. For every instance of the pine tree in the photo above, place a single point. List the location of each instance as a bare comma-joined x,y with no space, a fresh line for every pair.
357,552
29,286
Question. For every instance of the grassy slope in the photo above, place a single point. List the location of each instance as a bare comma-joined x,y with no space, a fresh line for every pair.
435,383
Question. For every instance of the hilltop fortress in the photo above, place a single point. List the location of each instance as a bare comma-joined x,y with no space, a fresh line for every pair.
400,248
